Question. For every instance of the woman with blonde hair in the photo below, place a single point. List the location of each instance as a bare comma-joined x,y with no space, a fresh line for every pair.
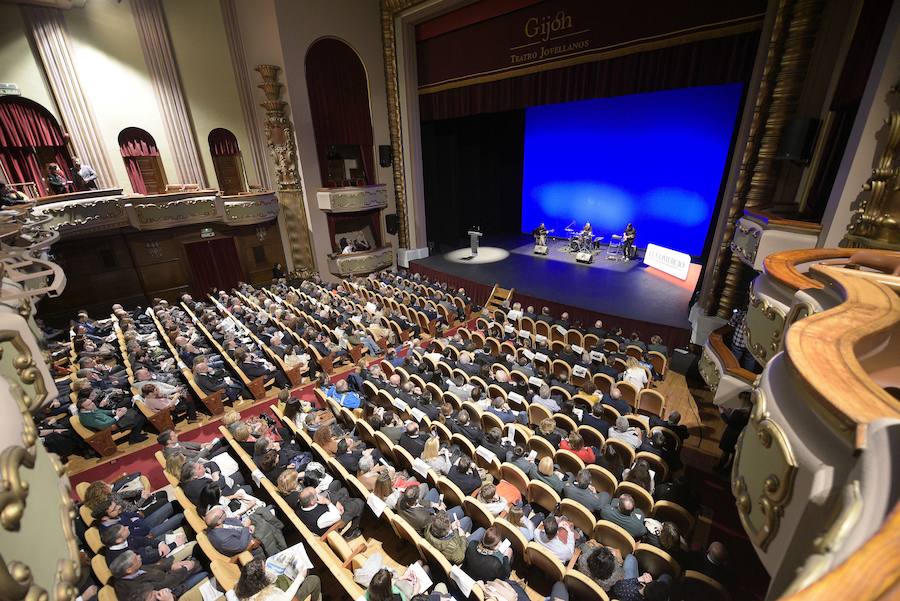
289,485
437,459
174,463
231,416
635,373
547,430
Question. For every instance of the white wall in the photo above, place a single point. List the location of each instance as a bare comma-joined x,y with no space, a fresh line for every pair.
207,77
358,24
18,64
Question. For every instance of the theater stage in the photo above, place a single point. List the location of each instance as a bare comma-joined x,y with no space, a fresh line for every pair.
624,293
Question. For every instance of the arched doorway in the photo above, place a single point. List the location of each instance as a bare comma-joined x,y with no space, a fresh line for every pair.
142,161
227,161
339,103
30,139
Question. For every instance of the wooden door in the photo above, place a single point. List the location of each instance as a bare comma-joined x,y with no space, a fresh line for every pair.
230,174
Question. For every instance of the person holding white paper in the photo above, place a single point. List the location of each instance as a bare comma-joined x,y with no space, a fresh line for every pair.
257,584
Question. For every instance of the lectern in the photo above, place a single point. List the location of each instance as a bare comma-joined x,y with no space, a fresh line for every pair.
473,241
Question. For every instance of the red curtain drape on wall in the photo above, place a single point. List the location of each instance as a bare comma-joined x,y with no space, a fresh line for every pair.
223,143
708,62
28,134
339,102
134,142
214,264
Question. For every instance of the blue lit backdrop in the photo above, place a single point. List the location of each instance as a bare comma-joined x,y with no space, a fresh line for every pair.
655,160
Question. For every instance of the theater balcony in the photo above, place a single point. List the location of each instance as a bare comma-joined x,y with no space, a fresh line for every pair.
815,473
354,229
783,293
361,263
101,210
721,371
759,234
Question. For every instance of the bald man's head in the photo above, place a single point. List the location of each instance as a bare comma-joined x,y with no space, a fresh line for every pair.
626,504
717,553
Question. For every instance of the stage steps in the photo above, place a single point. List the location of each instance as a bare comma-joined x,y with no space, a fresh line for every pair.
498,295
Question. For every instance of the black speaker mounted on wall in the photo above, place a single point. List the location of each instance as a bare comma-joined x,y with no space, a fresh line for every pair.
392,222
385,155
797,140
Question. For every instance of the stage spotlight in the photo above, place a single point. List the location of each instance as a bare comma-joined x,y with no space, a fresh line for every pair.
486,254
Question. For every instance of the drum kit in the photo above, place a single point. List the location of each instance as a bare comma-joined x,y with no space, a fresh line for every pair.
581,243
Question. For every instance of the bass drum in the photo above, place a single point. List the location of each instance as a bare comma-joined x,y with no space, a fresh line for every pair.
574,245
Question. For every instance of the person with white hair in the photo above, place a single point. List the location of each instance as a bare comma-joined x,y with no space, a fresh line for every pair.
627,434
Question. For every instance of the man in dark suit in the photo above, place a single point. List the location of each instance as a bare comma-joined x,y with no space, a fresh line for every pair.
583,492
412,440
118,539
598,330
713,563
229,536
465,476
276,343
253,370
614,399
211,382
672,423
465,364
134,581
462,426
621,512
595,419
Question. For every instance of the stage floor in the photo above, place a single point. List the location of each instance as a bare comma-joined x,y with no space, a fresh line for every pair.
626,289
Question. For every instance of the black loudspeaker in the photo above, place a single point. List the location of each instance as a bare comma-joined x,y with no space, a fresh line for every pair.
392,222
683,362
797,140
385,155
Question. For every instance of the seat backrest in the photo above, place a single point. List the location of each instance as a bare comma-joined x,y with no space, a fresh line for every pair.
583,588
101,570
642,499
464,444
515,476
656,561
602,479
542,446
513,534
478,512
545,561
669,511
107,593
592,436
651,402
226,574
603,382
625,450
453,496
578,514
565,422
81,489
568,461
629,392
657,464
613,535
92,538
542,495
697,585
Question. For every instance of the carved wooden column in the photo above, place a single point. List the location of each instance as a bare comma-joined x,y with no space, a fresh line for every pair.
245,92
280,138
51,38
790,47
160,58
875,222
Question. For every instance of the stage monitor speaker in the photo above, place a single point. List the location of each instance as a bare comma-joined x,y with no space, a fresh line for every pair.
585,257
392,223
385,155
797,140
540,249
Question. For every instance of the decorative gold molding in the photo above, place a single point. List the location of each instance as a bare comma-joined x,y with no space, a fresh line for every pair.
790,45
875,221
768,448
709,371
282,146
764,350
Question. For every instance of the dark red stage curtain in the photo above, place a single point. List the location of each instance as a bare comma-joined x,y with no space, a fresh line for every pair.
29,138
222,143
672,337
339,102
708,62
135,143
214,264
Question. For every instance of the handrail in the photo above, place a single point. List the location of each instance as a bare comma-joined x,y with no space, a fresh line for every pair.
781,223
823,348
729,361
783,266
